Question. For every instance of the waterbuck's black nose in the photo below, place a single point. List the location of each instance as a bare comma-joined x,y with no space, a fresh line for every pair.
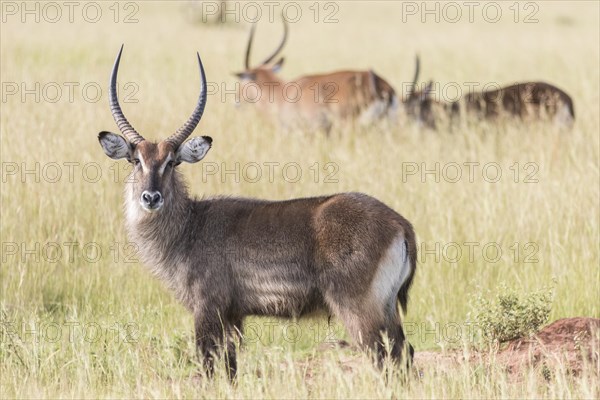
151,200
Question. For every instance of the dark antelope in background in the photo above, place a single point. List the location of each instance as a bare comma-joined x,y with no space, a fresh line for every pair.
324,100
347,255
422,108
527,101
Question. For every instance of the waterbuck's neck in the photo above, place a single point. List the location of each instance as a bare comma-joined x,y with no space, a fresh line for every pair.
158,234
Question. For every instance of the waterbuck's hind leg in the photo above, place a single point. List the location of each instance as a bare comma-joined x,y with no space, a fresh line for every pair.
368,327
398,343
396,346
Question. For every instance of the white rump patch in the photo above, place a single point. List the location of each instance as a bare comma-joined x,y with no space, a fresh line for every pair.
392,272
563,117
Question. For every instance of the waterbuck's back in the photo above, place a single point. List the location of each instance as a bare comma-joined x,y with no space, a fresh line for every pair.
528,100
284,258
345,95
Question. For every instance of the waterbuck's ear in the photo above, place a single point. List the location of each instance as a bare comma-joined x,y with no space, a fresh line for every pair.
194,149
428,89
115,146
277,66
246,75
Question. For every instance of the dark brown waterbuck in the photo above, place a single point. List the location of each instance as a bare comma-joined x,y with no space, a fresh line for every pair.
527,101
315,102
346,255
421,107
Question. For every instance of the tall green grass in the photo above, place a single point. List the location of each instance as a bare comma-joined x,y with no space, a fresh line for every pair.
82,324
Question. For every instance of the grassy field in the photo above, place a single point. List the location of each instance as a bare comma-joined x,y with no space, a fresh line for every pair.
81,318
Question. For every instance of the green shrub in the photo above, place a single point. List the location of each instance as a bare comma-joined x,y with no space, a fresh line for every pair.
510,314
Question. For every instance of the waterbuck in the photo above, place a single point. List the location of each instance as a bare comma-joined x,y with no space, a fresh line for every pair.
347,255
315,102
422,108
527,101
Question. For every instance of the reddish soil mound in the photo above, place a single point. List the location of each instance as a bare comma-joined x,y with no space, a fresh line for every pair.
566,343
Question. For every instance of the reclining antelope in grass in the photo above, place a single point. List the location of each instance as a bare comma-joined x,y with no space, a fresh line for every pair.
315,102
528,101
346,255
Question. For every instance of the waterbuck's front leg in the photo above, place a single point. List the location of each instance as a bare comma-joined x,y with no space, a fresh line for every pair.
211,332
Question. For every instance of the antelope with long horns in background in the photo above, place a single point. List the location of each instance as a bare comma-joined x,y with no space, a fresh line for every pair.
527,101
315,102
347,255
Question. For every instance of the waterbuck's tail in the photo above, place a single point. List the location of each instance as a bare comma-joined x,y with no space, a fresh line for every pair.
411,246
571,107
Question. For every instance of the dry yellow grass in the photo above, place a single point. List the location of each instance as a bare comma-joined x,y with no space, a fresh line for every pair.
144,345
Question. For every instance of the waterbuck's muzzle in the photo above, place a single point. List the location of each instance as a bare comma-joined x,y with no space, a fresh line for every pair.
151,201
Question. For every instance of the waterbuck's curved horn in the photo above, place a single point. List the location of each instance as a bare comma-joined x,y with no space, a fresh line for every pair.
411,89
280,47
248,47
186,130
124,126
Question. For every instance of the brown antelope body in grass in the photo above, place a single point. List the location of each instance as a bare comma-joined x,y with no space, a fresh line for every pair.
527,101
347,255
315,102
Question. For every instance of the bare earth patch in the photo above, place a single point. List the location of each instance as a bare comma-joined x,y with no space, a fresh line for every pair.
567,343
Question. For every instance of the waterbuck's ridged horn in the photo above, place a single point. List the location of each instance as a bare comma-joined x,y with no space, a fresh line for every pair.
285,35
124,126
413,85
248,47
186,130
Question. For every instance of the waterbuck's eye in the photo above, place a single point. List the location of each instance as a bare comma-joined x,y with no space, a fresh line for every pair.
136,161
171,164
